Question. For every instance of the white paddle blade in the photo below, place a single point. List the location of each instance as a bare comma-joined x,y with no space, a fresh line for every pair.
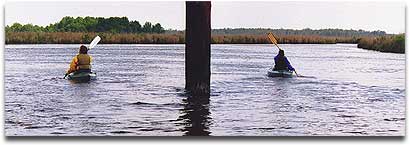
94,42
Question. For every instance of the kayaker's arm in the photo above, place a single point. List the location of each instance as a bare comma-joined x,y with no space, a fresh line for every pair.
73,66
289,65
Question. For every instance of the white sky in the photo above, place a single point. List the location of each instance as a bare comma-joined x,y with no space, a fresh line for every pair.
385,16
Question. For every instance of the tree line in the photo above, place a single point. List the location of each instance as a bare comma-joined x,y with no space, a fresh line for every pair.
90,24
306,31
124,25
120,30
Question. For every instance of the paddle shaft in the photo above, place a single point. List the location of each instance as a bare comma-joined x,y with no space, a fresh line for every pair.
296,73
278,47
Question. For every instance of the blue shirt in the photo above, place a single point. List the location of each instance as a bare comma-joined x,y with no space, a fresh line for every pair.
286,61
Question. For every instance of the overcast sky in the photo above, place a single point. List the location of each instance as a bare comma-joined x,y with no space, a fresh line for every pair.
385,16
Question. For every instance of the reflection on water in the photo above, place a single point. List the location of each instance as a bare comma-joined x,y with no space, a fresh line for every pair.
139,92
195,115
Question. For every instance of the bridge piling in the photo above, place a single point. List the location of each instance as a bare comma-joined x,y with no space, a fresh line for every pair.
198,47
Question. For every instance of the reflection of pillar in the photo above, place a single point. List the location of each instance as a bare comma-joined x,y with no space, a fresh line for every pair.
195,116
197,47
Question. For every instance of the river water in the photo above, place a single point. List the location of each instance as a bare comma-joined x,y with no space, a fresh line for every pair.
343,91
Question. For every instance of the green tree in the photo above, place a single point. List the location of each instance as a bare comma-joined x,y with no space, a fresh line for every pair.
147,28
157,28
16,27
134,27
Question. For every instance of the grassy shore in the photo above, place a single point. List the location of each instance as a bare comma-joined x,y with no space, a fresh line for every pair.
393,43
388,43
115,38
82,38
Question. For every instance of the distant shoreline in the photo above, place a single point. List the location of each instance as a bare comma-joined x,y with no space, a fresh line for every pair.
145,38
389,43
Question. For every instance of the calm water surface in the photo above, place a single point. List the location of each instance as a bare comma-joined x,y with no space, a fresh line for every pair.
140,91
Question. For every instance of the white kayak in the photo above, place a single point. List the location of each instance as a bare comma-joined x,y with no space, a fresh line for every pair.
280,73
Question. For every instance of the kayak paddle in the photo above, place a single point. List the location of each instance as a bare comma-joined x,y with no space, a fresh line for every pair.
296,73
94,42
273,40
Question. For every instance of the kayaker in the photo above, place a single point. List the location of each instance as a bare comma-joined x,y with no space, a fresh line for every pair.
281,62
81,62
